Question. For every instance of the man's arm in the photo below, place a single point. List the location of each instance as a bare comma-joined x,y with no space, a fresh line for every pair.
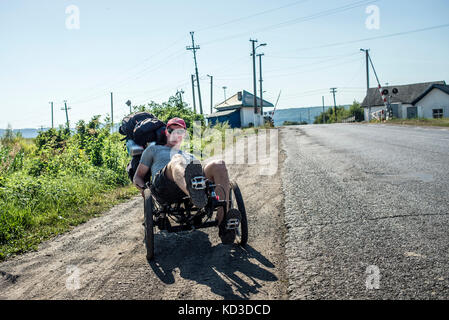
146,161
139,177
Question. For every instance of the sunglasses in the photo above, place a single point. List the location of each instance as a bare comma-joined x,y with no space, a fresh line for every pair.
176,131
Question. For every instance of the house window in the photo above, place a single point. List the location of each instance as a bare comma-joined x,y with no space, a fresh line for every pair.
437,113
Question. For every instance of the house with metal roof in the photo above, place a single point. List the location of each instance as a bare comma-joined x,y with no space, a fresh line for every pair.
239,111
423,100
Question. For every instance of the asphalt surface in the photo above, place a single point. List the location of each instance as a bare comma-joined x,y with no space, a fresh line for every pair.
366,207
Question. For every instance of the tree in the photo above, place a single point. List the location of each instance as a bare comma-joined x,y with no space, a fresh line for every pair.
8,136
357,111
170,109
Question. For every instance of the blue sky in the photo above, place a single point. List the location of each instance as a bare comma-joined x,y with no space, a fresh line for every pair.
137,49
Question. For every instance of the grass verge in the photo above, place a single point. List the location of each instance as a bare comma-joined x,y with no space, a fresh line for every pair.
418,122
74,216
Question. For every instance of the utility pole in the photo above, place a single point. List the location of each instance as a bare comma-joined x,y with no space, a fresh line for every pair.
194,48
275,106
367,81
211,92
52,124
128,103
179,95
334,90
66,114
260,80
380,88
193,92
324,115
112,114
254,73
224,89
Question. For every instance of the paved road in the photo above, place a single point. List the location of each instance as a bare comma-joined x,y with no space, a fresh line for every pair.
362,201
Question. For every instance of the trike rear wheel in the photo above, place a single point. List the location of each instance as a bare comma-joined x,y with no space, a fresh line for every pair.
237,202
149,224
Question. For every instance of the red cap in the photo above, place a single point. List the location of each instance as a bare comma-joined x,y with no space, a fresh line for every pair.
178,121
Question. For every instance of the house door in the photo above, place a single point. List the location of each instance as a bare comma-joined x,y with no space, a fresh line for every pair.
395,109
412,112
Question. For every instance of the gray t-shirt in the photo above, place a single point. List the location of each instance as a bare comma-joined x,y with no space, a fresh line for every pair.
156,157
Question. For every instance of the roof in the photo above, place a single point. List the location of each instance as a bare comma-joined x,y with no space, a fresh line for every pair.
407,93
221,113
247,100
443,88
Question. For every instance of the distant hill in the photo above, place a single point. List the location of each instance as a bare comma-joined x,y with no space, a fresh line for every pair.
26,133
32,133
299,114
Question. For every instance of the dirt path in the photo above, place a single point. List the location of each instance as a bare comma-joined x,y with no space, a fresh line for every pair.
105,257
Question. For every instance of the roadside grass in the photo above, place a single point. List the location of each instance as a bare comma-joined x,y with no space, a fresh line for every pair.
56,181
417,122
28,228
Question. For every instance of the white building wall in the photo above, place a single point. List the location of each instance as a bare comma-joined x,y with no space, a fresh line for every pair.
401,111
260,119
373,109
435,99
248,116
404,110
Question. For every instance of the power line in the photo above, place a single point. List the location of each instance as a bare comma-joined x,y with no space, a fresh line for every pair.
324,46
252,15
298,20
123,82
378,37
310,57
96,97
338,57
315,63
108,84
293,73
164,89
313,70
320,14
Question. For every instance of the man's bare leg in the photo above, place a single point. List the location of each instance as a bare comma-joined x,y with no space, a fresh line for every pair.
217,172
175,172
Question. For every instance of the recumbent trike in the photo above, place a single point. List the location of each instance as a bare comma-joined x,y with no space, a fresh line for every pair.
188,217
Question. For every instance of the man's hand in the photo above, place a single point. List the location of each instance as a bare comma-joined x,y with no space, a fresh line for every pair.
138,180
142,190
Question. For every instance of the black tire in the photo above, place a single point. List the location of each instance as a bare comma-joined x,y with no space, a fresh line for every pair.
237,199
149,225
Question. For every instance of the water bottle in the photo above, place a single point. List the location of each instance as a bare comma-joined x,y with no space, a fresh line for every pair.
133,148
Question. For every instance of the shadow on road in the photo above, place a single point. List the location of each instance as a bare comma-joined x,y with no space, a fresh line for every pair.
226,269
